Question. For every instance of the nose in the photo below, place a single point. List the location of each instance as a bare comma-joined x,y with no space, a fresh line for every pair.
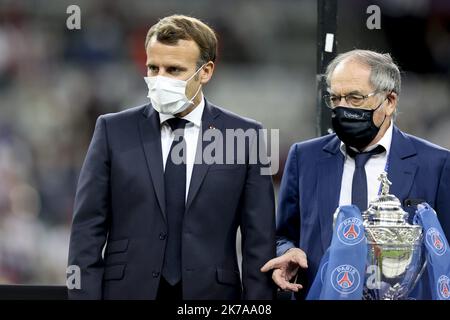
162,72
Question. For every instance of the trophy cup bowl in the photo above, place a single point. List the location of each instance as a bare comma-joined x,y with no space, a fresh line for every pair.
394,256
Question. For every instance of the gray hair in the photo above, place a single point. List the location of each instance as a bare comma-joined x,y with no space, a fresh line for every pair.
385,74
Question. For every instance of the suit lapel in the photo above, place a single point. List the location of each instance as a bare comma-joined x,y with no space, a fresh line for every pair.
329,176
402,164
150,130
209,120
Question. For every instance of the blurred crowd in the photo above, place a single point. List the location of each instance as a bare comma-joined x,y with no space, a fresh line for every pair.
55,82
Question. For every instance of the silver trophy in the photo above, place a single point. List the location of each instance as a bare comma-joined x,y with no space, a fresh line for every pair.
394,258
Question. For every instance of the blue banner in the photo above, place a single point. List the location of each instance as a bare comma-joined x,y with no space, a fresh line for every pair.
438,255
342,269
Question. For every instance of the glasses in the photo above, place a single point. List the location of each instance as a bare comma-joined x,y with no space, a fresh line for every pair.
352,99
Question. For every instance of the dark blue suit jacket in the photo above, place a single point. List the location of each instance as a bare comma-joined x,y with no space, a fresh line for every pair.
311,183
120,201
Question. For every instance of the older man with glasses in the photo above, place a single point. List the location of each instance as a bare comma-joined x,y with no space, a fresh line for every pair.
343,168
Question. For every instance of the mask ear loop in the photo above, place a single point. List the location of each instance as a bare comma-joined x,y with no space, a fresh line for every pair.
191,100
199,87
195,72
373,111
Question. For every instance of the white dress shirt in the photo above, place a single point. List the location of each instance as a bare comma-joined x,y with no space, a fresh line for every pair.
374,167
190,136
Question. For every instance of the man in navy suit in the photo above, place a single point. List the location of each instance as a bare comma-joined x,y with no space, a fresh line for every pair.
168,227
324,173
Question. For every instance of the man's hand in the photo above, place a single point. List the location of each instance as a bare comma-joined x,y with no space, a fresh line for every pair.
285,267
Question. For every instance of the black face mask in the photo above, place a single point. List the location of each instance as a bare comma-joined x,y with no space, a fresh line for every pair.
354,126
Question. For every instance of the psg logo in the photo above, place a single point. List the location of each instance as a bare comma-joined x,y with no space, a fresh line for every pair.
345,279
443,287
435,241
350,231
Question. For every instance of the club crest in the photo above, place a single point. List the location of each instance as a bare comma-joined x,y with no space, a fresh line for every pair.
443,287
345,279
350,231
435,241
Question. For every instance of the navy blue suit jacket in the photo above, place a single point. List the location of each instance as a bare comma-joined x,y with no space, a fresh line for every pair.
120,201
311,183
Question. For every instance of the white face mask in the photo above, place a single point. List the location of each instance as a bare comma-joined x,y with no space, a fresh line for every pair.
168,95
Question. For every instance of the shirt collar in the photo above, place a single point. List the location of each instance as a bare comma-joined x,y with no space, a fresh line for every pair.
385,141
195,116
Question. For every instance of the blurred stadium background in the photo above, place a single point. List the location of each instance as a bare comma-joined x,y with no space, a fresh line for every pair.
54,83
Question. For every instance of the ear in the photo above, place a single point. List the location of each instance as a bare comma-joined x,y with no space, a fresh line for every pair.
206,72
391,103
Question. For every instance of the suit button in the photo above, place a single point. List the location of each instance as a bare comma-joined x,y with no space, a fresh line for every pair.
155,274
162,236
